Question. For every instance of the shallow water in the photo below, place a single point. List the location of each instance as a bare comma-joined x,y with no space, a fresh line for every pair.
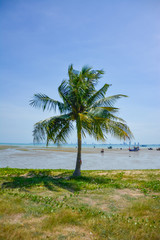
114,159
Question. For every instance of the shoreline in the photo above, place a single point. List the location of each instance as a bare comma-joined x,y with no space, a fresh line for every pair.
71,149
65,158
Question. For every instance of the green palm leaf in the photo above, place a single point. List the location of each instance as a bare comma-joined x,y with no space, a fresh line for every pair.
118,129
55,129
98,95
43,101
108,101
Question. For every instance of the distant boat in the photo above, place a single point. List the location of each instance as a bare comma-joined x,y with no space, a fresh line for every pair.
110,147
135,148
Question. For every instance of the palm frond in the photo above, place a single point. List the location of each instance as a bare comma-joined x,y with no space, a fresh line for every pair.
85,71
118,129
97,130
39,132
94,75
86,122
103,113
65,93
54,128
97,74
59,131
101,121
71,72
43,101
109,109
91,126
98,95
108,101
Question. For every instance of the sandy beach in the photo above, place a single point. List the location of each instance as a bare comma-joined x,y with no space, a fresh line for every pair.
65,158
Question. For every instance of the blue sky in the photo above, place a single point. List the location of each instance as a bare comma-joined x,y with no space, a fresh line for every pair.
40,39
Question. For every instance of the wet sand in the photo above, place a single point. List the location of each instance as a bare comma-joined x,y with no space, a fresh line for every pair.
65,158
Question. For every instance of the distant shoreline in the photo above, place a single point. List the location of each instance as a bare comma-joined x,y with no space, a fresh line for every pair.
85,149
65,158
74,146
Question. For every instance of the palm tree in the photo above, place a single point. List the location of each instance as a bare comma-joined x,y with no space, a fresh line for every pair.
93,113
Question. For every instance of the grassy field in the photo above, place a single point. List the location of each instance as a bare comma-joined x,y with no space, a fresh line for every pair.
49,204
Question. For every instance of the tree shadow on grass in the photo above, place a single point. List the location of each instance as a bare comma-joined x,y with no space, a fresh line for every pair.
36,179
52,183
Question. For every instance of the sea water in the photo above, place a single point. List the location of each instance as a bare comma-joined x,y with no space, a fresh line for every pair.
74,145
111,159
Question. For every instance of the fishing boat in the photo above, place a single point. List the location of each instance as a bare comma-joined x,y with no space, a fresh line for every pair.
135,148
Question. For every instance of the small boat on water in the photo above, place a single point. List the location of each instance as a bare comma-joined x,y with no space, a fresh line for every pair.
134,149
110,147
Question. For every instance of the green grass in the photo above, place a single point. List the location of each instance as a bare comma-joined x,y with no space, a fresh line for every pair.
50,204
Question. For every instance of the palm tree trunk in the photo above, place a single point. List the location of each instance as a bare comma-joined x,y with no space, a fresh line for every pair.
77,171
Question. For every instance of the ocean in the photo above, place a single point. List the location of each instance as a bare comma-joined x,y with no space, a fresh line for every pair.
74,145
39,157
